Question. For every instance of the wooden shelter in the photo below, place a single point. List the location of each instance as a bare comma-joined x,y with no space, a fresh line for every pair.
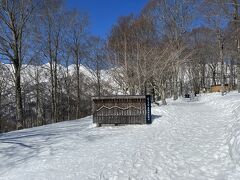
217,88
120,110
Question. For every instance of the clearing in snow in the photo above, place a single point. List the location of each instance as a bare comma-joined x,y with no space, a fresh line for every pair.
187,140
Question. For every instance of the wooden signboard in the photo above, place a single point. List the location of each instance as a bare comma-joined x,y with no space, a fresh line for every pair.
122,110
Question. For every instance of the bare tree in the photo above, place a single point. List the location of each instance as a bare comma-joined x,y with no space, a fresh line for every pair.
98,62
53,19
236,19
172,20
76,42
15,18
2,88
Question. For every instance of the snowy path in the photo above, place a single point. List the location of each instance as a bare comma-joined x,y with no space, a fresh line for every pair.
187,140
196,143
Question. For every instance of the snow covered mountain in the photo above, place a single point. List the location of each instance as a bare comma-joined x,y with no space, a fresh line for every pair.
28,70
187,140
29,73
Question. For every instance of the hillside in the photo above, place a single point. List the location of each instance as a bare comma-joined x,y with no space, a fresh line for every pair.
187,140
89,75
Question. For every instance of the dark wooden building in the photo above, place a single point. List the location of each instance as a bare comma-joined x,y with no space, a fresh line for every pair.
119,110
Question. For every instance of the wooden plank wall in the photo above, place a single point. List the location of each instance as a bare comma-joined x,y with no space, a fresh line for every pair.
119,110
217,88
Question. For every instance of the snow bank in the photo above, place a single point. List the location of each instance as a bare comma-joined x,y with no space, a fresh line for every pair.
230,105
234,143
234,139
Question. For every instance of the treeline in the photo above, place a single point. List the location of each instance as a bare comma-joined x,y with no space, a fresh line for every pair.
169,49
40,40
177,47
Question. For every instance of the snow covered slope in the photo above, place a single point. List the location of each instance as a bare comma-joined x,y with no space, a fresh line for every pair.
187,140
29,72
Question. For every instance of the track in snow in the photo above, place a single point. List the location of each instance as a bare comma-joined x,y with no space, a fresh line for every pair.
187,140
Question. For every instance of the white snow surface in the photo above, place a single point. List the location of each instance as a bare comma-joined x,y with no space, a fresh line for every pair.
187,140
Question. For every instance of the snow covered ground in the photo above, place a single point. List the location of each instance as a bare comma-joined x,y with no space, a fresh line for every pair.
187,140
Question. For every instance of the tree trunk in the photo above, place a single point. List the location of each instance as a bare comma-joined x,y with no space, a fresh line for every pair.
153,94
238,77
99,82
181,88
222,62
175,87
67,83
18,92
56,115
214,78
0,110
238,67
39,101
203,84
231,78
163,97
78,90
52,92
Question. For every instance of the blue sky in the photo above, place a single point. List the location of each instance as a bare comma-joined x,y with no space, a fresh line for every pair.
104,13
